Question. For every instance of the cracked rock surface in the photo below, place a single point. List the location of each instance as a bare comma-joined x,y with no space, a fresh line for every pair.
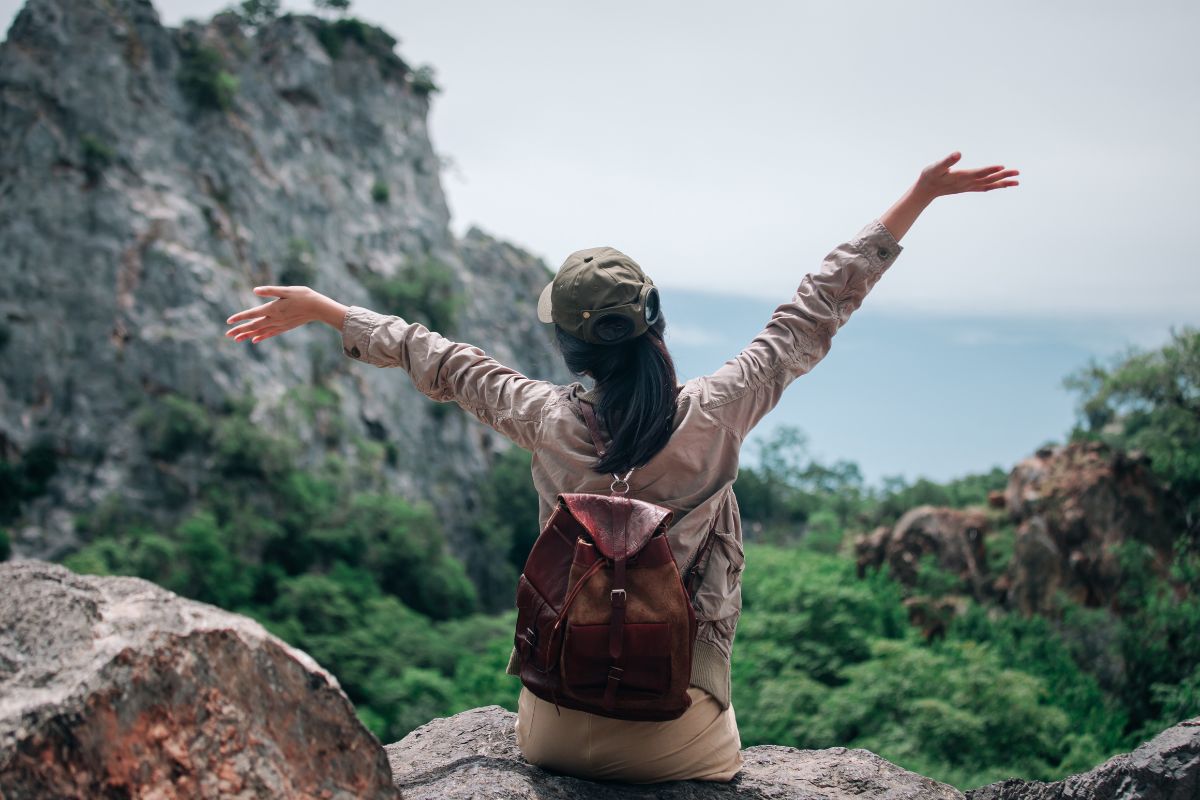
115,687
474,755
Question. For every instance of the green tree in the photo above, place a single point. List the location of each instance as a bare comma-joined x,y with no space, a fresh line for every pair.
1149,401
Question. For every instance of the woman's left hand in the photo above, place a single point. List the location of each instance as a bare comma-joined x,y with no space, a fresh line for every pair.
294,306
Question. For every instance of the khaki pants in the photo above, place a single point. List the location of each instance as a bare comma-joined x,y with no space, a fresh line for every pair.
703,744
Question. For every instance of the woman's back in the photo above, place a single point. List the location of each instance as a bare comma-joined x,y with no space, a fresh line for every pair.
691,470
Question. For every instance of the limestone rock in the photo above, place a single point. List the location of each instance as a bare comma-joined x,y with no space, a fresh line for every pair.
114,687
1165,768
1074,506
474,755
143,205
955,538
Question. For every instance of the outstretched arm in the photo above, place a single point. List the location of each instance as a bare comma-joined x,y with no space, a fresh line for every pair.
441,369
800,332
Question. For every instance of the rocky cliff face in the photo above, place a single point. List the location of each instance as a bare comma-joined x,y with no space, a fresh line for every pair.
114,687
152,176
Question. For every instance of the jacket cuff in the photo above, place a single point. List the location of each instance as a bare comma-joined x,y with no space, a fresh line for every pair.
357,328
878,244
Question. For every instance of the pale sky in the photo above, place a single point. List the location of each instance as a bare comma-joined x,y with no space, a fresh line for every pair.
729,146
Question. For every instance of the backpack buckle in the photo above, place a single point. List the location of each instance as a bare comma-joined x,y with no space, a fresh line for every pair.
613,597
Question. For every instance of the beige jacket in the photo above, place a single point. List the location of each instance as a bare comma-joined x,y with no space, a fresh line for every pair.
694,474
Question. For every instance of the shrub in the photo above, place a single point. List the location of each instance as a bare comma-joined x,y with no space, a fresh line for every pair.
27,478
96,156
259,12
335,35
380,192
421,80
5,545
204,80
425,291
1149,401
171,425
299,265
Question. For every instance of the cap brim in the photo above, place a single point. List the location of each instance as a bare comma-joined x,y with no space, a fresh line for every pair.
544,306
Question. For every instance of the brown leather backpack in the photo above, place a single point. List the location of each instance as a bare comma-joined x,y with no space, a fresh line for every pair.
605,624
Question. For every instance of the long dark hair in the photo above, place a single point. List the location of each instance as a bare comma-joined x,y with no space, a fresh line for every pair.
637,388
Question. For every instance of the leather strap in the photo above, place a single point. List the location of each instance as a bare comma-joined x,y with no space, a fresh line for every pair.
589,416
622,510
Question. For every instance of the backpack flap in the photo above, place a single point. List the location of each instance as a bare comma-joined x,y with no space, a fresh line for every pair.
596,513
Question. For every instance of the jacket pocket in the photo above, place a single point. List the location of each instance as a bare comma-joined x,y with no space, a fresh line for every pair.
720,592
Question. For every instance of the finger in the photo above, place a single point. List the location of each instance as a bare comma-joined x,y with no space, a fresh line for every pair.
950,159
999,176
257,311
1000,185
259,333
275,291
267,334
240,329
983,171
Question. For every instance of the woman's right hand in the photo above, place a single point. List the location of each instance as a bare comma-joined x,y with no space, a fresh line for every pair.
938,179
294,306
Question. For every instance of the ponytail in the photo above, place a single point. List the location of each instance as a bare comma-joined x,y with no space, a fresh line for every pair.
637,387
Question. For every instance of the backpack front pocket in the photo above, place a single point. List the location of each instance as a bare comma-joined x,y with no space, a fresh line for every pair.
645,660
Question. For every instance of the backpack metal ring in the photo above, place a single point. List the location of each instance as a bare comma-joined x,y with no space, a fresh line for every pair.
620,485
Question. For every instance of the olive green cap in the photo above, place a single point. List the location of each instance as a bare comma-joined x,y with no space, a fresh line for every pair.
600,295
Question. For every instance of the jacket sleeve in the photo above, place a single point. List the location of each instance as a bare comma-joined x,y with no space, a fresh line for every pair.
800,332
446,370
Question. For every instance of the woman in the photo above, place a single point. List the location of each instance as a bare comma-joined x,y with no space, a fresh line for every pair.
682,441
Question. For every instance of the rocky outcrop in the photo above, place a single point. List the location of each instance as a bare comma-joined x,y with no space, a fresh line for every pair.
150,178
1074,507
1165,768
474,754
954,537
114,687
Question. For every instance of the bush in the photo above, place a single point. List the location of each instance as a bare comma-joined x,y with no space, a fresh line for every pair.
5,545
1149,401
380,192
299,265
27,478
259,12
336,35
97,156
172,425
425,292
204,80
422,81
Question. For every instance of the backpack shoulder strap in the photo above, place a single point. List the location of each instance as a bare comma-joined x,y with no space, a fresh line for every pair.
589,416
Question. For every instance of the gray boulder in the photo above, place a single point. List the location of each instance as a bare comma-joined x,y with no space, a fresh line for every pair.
114,687
474,755
1165,768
